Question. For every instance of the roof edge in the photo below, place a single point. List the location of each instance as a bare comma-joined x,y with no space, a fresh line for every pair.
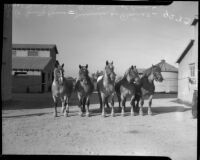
194,22
53,46
185,51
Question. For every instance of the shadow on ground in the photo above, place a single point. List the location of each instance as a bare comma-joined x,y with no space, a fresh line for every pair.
44,100
155,110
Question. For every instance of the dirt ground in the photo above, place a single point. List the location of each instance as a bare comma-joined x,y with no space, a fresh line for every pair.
28,127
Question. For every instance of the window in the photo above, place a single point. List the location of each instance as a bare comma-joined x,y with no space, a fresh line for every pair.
17,73
32,53
192,69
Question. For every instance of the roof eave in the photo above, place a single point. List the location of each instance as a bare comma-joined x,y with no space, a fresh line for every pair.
194,22
185,51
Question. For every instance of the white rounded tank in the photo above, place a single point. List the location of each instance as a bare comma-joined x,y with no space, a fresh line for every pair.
169,84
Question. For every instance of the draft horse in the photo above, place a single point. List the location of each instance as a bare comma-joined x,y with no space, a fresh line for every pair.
84,88
61,88
106,88
125,86
147,86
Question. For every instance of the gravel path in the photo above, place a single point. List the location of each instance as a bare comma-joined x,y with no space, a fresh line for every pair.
171,132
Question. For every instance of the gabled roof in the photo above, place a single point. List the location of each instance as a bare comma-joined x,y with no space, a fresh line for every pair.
185,51
30,63
166,67
35,46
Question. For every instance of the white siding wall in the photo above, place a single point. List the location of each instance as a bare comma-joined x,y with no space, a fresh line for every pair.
186,89
169,84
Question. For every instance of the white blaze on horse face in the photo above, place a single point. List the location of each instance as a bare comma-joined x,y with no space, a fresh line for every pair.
99,78
61,79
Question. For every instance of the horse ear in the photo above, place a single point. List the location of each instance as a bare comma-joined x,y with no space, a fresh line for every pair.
106,62
112,62
62,65
86,66
79,66
56,64
132,67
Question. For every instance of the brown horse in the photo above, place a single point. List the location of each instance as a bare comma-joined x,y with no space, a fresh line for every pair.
106,87
84,88
125,86
147,86
61,88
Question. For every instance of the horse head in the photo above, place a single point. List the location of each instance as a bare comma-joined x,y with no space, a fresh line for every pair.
59,72
132,75
156,71
83,74
109,71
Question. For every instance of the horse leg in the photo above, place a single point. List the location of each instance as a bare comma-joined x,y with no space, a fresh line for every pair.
67,107
107,104
137,99
137,105
103,105
123,101
100,100
133,105
119,100
112,104
80,105
55,106
87,108
83,103
141,106
63,101
150,102
63,106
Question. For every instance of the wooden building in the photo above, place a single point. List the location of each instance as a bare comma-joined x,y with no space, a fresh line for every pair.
6,78
32,67
188,68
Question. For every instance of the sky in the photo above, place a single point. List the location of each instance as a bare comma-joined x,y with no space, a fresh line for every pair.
92,34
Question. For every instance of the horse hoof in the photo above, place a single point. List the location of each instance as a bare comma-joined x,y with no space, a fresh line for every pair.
150,113
103,115
122,114
55,115
87,114
112,114
133,114
141,114
81,114
66,114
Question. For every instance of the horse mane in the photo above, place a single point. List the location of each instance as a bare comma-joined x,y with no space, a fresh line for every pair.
148,71
126,72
